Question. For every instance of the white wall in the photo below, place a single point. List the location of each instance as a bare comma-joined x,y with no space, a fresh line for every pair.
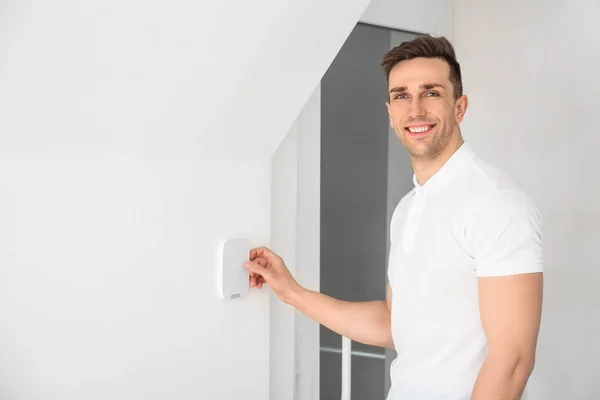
420,16
284,231
134,135
531,70
296,228
202,77
308,255
106,280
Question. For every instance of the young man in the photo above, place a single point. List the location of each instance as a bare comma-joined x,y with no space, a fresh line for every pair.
464,299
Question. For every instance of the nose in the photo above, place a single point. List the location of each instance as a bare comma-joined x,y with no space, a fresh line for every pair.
417,108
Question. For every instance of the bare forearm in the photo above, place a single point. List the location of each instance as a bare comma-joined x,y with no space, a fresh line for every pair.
363,322
501,380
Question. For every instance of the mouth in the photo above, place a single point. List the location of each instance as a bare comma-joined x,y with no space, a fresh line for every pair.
419,131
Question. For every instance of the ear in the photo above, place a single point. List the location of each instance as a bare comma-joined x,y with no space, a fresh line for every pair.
389,113
461,108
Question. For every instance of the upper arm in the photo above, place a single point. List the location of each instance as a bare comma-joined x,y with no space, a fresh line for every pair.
511,308
506,243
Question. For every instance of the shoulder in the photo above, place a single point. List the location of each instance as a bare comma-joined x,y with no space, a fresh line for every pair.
503,207
502,224
403,203
496,194
400,208
484,178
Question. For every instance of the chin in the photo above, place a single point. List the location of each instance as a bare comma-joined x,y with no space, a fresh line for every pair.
423,152
417,147
418,153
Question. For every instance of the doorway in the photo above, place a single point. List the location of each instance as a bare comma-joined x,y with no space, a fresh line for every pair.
365,172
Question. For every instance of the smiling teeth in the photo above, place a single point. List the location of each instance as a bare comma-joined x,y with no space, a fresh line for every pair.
419,129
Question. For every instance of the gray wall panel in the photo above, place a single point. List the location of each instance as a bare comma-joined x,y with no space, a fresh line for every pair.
364,172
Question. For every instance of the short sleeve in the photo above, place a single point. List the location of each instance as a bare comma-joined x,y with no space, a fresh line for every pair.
504,235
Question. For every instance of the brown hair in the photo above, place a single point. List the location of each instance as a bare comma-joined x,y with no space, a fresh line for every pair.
427,47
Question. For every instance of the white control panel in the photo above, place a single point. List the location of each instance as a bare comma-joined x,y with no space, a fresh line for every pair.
234,280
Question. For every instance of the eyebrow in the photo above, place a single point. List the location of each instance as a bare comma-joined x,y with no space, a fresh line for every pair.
426,86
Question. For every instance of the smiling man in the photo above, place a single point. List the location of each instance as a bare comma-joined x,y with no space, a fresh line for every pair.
464,298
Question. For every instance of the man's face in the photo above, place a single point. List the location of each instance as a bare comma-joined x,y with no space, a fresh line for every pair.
422,108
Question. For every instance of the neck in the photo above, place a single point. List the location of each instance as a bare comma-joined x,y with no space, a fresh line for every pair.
425,168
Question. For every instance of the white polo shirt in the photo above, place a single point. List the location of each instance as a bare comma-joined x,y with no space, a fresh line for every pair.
469,220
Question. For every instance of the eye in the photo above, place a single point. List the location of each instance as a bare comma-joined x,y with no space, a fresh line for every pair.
402,96
431,94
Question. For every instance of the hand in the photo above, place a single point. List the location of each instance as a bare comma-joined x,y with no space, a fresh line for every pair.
267,267
257,280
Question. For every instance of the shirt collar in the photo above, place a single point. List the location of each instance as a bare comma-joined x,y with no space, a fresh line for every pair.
448,171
